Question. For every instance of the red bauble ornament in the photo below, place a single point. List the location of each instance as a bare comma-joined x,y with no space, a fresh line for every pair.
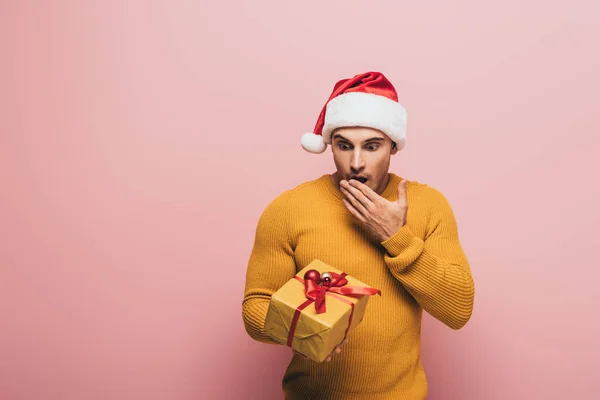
313,275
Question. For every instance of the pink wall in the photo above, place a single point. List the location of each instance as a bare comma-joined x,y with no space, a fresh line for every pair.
140,141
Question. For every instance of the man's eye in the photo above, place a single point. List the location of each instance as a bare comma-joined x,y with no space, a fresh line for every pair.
371,148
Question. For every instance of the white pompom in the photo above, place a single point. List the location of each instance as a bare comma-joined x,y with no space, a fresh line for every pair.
313,143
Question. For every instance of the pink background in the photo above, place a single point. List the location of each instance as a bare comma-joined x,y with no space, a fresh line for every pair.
140,141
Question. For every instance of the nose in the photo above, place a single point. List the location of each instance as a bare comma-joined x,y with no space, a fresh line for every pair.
357,163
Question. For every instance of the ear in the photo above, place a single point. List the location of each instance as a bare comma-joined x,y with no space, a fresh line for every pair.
394,148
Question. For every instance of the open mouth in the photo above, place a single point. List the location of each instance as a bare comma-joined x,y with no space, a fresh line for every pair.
360,179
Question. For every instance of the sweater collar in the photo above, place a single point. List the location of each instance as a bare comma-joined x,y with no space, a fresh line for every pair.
388,192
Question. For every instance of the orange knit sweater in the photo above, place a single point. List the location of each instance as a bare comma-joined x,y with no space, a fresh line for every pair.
421,267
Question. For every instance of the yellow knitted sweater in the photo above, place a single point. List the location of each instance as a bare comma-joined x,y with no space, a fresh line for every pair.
421,267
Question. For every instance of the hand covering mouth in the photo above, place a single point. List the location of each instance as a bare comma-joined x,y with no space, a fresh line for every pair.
361,179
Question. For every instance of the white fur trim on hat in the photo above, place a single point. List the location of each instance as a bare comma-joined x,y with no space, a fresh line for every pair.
313,143
367,110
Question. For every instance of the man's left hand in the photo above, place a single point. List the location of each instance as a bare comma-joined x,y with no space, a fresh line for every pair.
383,218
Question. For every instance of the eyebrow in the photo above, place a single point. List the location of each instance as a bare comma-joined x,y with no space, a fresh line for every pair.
373,139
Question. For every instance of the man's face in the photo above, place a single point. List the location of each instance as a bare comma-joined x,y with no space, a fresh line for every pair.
362,152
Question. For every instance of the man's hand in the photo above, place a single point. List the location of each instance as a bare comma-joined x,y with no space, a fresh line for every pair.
383,218
335,351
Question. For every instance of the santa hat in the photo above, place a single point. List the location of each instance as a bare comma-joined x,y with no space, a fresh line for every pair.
368,100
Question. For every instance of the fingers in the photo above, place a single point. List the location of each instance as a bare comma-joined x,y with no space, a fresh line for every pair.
337,350
353,210
358,190
354,201
365,189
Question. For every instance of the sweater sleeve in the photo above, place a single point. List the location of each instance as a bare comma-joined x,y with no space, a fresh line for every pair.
435,271
270,266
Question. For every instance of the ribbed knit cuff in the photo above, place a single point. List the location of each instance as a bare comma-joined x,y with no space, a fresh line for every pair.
404,241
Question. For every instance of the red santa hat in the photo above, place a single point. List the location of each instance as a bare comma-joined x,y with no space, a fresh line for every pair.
368,100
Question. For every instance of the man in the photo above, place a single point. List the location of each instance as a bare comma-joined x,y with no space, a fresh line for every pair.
396,235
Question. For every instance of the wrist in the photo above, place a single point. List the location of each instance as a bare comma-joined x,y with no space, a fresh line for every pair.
389,232
400,241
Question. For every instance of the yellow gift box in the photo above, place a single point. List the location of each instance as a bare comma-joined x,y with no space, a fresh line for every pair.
314,316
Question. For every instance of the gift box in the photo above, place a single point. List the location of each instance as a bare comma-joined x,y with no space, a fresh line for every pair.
316,310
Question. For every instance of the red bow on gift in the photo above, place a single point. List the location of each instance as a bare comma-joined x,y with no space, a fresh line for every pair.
338,284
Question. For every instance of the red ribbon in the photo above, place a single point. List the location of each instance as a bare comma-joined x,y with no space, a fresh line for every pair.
315,293
338,285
